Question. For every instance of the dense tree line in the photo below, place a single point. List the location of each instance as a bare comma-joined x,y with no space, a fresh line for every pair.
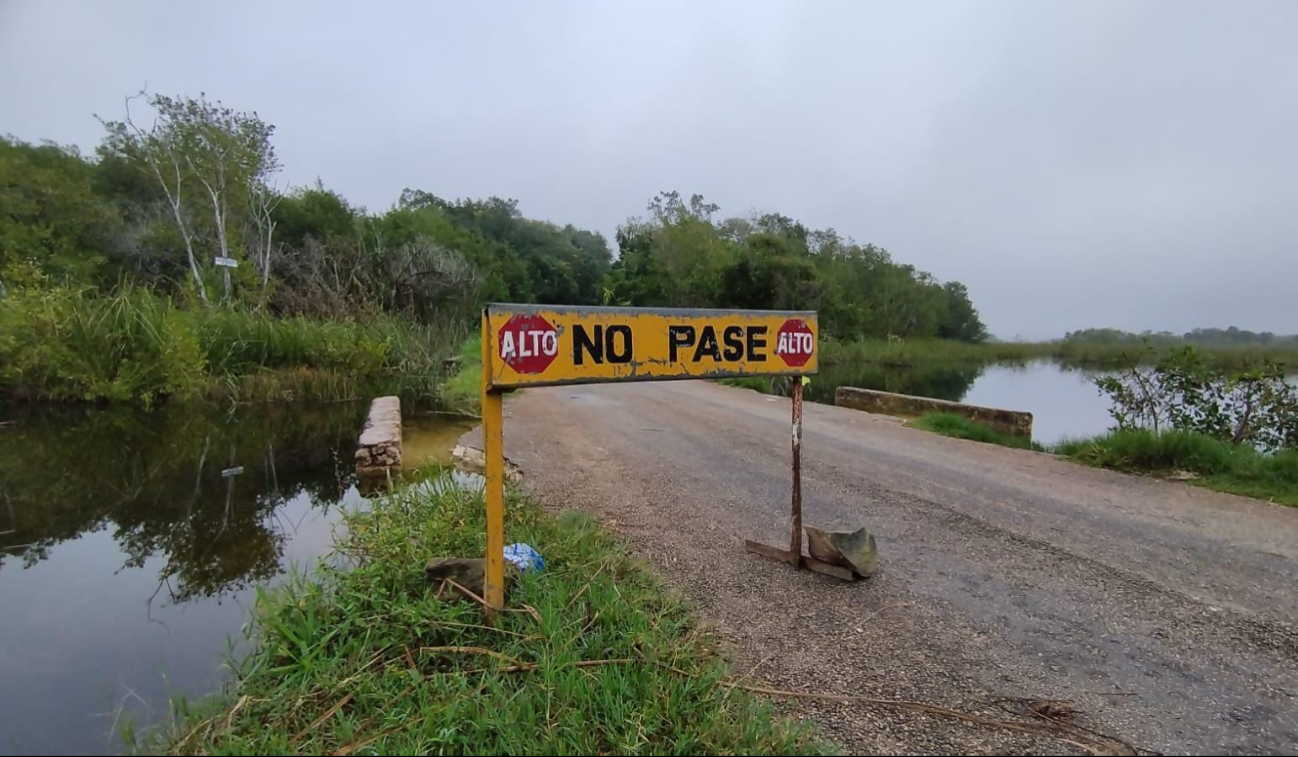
158,203
1209,337
681,255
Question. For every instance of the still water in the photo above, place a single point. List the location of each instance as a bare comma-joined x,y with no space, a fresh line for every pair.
1064,402
132,543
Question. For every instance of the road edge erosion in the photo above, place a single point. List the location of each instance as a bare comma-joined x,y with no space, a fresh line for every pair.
598,657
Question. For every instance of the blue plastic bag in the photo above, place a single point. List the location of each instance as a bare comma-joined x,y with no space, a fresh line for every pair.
524,557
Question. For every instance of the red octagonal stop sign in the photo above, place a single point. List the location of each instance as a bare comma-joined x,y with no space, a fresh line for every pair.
528,343
794,342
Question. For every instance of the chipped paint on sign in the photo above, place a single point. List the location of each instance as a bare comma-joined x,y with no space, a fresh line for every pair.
537,345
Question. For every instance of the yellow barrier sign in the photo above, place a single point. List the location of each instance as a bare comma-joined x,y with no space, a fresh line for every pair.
547,345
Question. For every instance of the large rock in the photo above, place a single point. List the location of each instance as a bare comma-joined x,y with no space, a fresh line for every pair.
855,549
474,460
469,572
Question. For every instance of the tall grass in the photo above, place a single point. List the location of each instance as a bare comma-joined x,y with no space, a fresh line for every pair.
912,352
1215,464
595,658
1220,465
462,391
135,345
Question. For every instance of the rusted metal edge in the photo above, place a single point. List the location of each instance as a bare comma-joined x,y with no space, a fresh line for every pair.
766,550
795,538
785,556
710,376
824,568
604,310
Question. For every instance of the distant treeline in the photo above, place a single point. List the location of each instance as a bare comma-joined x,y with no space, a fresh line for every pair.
168,193
1209,337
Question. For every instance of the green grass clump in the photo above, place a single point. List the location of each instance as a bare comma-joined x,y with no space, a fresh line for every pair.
1220,465
756,383
960,427
462,392
365,658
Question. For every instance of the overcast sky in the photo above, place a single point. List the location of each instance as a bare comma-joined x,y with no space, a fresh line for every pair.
1130,164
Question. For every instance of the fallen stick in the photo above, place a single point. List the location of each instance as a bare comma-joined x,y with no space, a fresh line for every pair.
319,721
480,627
527,609
527,667
471,650
356,746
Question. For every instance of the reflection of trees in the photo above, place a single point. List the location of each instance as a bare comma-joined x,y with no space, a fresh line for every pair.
156,478
945,381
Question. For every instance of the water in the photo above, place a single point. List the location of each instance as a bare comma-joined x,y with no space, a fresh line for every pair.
1064,402
132,543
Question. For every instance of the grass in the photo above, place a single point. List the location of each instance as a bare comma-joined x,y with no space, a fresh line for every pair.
462,391
960,427
595,658
1219,465
135,345
1239,469
910,352
913,352
756,383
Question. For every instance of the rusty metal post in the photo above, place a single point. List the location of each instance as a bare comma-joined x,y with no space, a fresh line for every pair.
795,539
494,488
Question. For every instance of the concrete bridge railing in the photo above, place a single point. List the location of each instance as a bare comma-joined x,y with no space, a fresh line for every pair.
1011,422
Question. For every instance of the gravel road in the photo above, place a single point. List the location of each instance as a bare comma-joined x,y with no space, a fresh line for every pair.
1165,611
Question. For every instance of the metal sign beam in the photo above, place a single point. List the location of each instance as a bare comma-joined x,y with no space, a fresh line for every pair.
546,345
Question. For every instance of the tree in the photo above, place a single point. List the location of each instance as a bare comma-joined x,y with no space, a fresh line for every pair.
681,256
201,154
961,319
51,216
317,212
261,208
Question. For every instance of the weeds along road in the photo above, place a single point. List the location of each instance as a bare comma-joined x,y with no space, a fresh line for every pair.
1163,610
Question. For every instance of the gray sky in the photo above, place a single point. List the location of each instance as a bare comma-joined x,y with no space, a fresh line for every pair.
1132,164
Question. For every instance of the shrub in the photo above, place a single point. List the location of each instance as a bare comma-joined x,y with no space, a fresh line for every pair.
137,345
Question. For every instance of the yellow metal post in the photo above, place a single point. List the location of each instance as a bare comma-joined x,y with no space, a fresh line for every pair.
493,442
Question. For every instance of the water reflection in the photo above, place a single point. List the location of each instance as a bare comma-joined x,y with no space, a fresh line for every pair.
197,487
1063,399
132,543
947,381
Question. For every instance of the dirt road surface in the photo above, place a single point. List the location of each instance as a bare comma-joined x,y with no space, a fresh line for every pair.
1165,611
